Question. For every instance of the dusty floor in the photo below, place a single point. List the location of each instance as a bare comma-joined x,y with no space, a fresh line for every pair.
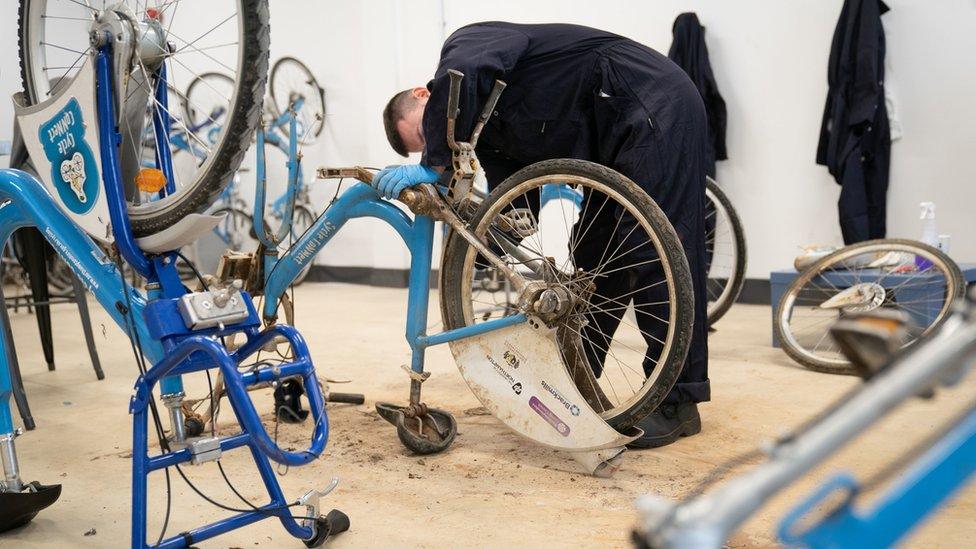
490,489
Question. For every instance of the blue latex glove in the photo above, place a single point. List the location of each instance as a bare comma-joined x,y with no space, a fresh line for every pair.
390,181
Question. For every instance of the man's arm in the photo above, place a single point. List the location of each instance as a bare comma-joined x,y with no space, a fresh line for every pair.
483,53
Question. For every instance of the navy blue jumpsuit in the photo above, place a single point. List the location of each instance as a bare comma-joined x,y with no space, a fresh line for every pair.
578,92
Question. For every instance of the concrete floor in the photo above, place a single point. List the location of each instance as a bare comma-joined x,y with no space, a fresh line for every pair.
490,489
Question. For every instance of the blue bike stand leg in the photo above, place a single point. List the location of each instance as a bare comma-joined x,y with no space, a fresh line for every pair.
140,457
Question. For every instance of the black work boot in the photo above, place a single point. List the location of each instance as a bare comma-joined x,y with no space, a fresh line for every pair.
667,424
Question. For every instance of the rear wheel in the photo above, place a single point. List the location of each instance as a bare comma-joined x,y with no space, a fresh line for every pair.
626,334
232,35
900,275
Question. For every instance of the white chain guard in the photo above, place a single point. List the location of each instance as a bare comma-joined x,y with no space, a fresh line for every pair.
519,376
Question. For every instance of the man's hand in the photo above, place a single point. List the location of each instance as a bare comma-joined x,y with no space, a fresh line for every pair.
392,180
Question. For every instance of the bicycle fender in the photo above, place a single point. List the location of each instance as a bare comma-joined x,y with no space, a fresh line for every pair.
519,376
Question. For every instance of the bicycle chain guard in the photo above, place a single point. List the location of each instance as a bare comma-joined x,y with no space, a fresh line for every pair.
519,376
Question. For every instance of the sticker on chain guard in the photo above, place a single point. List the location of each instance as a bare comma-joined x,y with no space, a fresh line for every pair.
73,166
518,374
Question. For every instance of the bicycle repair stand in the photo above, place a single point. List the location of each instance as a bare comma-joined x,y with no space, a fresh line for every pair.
177,330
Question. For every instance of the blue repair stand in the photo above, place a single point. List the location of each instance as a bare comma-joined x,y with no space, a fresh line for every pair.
780,280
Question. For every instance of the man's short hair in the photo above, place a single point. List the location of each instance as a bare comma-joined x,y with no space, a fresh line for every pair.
394,112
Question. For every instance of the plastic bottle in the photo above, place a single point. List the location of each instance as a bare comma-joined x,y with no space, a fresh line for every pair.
930,233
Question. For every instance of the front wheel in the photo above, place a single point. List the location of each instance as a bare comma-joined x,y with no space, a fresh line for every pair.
626,330
185,41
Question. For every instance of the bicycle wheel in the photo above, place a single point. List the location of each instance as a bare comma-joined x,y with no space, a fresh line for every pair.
59,275
626,332
290,80
230,34
725,252
235,229
902,275
205,106
301,221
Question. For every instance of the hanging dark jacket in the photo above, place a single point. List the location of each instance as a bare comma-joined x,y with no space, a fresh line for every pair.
688,51
855,140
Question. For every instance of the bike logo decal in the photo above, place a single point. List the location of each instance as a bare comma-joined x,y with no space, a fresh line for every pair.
511,359
73,168
572,408
548,415
500,370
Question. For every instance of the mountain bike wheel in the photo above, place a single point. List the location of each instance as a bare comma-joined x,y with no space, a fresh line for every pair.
301,221
901,275
291,79
725,252
230,34
619,260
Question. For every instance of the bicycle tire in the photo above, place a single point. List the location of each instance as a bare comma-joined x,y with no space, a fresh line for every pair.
195,84
452,273
784,309
281,103
246,109
733,285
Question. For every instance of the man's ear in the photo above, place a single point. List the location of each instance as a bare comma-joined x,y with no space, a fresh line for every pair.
420,93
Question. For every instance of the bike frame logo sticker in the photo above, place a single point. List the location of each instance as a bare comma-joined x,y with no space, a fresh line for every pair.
73,169
548,415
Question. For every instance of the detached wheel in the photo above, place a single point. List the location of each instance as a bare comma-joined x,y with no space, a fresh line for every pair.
894,274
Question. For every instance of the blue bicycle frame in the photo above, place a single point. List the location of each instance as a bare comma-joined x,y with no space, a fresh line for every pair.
156,323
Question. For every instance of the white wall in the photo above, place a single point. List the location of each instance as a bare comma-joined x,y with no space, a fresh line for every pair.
770,60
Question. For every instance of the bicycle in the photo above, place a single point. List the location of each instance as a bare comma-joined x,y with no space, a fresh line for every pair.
129,56
835,515
295,94
503,229
889,274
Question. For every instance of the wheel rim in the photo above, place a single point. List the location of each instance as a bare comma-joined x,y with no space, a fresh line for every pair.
722,254
623,380
199,43
290,79
845,283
